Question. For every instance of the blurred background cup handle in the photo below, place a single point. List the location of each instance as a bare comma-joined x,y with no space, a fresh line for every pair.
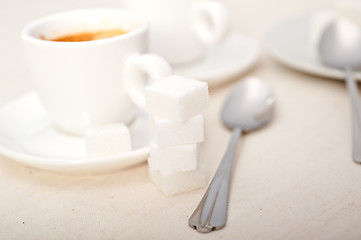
211,21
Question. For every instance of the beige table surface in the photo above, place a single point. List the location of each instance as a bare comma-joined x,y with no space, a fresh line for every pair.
293,180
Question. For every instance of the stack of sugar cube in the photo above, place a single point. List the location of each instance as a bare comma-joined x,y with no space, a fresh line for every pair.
174,105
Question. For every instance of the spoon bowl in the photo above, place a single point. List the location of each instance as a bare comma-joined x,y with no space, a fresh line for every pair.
340,45
248,106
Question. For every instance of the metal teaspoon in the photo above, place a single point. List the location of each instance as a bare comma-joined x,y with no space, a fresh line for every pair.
340,47
248,106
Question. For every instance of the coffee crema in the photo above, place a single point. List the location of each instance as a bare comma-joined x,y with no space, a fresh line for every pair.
89,36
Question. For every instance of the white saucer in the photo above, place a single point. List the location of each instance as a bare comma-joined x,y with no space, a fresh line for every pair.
224,61
289,43
27,136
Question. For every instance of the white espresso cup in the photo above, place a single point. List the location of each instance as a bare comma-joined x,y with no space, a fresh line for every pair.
181,30
87,83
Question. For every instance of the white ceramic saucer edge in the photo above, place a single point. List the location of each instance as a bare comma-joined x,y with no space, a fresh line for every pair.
236,55
281,43
17,122
103,165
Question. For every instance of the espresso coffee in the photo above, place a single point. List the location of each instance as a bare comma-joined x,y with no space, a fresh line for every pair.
89,36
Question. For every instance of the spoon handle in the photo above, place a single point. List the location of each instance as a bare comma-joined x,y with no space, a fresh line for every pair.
211,212
356,113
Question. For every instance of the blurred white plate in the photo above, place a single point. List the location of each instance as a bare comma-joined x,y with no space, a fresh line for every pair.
289,43
27,136
223,62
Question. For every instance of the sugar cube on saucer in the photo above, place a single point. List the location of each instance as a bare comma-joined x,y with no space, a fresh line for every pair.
176,98
172,159
107,140
177,182
167,133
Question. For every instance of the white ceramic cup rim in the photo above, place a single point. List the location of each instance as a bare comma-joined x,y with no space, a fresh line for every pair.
28,34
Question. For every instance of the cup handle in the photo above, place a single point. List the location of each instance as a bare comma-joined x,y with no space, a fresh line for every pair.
138,70
211,21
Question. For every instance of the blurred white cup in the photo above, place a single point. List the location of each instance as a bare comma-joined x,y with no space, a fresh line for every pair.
181,30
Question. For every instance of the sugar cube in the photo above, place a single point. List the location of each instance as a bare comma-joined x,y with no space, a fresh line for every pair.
176,98
172,159
167,133
177,182
107,140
